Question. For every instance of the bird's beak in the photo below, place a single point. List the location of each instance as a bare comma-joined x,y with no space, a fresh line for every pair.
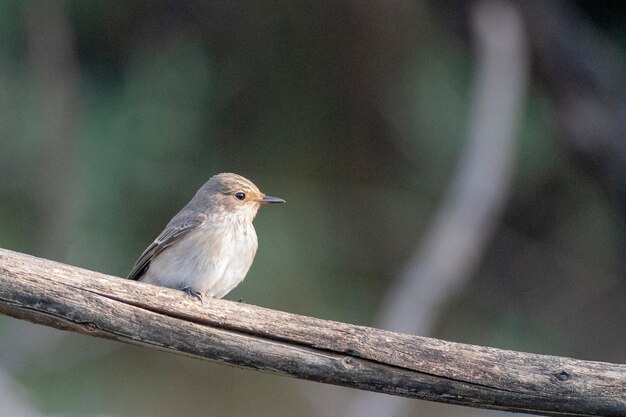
270,200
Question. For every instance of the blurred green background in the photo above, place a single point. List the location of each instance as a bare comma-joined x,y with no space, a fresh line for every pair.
113,113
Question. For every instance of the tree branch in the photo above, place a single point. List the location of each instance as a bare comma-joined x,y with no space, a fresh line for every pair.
83,301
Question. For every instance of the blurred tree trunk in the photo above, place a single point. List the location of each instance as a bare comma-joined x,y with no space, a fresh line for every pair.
51,47
472,208
581,71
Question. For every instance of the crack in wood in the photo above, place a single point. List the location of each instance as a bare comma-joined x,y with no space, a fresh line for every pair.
288,341
75,299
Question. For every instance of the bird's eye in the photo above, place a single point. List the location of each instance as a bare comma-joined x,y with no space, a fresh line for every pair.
240,196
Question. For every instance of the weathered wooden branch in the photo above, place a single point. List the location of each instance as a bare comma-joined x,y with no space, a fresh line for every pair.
79,300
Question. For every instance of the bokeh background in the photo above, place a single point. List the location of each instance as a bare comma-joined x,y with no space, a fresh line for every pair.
452,168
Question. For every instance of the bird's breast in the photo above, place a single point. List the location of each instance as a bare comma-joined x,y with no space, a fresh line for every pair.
212,259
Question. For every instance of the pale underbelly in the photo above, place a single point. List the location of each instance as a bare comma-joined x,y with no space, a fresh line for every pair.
210,269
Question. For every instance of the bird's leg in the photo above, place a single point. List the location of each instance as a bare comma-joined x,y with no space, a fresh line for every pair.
192,293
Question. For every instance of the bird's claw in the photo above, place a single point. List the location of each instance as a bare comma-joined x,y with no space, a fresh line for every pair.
192,293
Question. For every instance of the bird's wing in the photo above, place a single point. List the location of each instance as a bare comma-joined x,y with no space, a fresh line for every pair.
177,228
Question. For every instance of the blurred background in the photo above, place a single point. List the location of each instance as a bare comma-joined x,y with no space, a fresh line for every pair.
455,169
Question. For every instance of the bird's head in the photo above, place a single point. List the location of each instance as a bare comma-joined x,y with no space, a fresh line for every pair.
232,194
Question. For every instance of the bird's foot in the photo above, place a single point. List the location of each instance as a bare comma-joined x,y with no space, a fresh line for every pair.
242,301
192,293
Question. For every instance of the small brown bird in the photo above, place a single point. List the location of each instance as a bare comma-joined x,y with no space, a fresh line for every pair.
208,247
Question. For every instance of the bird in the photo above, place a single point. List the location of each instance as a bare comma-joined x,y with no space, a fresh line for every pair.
208,247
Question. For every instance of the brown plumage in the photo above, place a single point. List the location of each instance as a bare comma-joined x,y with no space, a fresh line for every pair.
208,247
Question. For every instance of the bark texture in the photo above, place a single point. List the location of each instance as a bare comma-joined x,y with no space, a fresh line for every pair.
75,299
